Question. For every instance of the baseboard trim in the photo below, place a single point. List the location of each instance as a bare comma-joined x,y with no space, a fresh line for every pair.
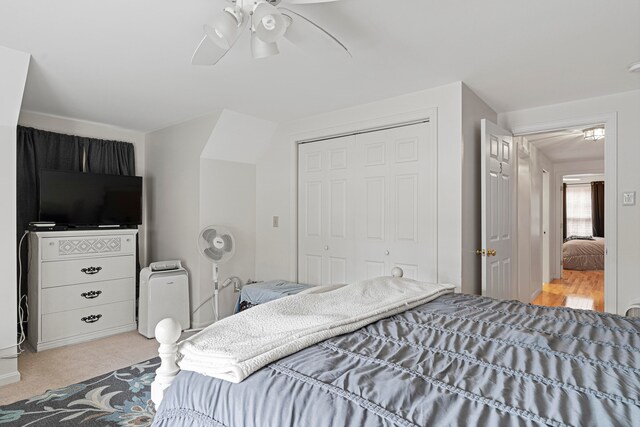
10,378
87,337
535,295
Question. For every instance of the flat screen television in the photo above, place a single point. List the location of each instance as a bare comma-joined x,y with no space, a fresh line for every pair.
88,199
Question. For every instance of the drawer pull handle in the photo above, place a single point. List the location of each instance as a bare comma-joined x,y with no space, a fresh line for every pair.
91,270
91,294
92,318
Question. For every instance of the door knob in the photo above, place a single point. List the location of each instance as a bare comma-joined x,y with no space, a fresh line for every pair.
480,252
386,252
491,252
326,248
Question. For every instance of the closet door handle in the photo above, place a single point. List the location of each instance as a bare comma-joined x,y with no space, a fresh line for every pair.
326,248
92,318
91,294
91,270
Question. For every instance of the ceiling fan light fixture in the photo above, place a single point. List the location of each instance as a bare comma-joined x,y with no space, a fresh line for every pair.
225,27
269,23
594,133
261,49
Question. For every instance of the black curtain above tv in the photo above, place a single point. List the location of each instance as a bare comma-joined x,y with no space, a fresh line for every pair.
597,208
110,157
38,149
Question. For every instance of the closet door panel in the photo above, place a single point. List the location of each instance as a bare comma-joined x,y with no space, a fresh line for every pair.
400,226
371,181
406,207
325,218
367,203
413,240
338,209
374,208
313,212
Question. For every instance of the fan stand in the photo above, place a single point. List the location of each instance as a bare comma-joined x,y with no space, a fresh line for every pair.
217,289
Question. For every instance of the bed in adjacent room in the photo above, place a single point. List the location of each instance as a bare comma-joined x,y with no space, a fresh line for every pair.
453,360
583,253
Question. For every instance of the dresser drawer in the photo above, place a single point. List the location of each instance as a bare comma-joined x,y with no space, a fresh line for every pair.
72,323
59,248
65,298
71,272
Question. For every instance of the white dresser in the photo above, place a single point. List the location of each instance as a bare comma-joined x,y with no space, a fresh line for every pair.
82,285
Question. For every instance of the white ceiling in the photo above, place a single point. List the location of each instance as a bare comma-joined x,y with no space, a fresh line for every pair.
567,146
582,178
127,62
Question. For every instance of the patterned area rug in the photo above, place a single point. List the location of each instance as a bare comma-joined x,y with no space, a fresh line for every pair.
120,398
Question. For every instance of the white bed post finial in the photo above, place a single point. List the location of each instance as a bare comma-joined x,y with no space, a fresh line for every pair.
397,272
167,333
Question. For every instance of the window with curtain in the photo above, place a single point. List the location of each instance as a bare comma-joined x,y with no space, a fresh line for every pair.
578,222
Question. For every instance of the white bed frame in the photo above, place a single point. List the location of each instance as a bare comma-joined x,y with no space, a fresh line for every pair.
168,333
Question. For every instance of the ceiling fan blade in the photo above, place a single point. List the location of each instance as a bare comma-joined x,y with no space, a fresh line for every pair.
307,1
301,30
207,53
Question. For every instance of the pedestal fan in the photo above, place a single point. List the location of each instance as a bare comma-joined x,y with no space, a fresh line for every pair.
217,244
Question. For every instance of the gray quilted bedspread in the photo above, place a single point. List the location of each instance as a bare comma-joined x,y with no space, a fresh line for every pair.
458,360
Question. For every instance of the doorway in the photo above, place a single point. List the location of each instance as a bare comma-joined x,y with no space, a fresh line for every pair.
565,170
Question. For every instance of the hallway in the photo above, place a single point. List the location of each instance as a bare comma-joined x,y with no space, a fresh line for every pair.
580,289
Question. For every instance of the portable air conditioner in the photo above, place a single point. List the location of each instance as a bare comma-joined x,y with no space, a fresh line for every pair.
164,292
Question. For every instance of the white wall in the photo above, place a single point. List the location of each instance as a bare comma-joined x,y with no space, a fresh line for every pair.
239,138
529,220
14,66
276,176
523,224
87,129
191,187
529,217
173,194
228,197
539,162
627,107
474,110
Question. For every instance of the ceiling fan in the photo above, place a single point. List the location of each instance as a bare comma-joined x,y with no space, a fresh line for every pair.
269,21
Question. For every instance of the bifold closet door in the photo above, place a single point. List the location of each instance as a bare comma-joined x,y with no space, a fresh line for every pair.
396,195
325,212
367,203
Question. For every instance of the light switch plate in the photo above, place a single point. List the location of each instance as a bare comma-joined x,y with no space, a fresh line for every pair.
629,198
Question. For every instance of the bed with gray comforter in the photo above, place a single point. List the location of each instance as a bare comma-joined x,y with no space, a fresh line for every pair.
458,360
584,255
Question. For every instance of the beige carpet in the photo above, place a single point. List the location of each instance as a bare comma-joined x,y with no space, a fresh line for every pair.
63,366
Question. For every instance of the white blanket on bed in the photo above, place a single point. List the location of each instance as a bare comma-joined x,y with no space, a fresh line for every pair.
235,347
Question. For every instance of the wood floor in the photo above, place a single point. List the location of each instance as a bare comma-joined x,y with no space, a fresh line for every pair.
586,284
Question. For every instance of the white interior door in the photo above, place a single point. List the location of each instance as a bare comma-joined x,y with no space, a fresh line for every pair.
325,206
498,212
396,215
